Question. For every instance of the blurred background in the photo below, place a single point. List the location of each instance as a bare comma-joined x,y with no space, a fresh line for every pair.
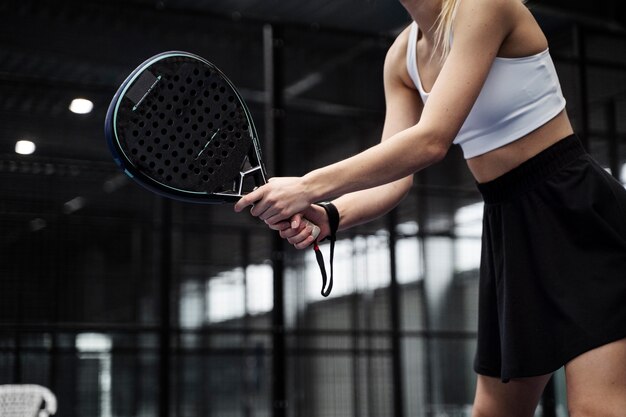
124,304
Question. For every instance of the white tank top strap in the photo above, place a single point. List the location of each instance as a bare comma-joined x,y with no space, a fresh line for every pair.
411,58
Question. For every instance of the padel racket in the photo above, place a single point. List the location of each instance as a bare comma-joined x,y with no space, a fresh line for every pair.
179,127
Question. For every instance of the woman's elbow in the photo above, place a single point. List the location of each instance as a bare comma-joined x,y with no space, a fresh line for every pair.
438,152
435,144
430,153
435,152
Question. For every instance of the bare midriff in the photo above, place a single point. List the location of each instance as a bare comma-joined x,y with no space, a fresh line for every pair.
493,164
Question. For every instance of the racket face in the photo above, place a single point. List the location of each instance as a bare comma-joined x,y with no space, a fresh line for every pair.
179,127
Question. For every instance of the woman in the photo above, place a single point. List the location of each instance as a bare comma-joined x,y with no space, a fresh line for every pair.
553,271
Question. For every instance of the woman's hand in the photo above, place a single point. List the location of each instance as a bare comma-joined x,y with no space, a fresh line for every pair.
304,228
276,201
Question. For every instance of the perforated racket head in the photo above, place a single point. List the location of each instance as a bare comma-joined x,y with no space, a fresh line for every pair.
179,127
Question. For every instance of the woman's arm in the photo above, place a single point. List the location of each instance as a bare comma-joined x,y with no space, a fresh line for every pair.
403,109
479,30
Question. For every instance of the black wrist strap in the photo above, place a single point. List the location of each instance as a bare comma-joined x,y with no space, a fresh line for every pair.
333,222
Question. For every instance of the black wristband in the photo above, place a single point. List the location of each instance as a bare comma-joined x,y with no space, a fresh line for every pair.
333,224
333,218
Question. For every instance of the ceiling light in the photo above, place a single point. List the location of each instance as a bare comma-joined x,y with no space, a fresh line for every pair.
24,147
81,106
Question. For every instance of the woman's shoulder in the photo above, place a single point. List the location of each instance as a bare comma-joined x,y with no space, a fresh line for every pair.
522,35
395,60
476,21
397,52
489,5
501,11
400,43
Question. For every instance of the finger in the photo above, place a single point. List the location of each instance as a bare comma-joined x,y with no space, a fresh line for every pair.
249,199
294,236
299,239
305,243
315,230
268,214
265,210
304,237
274,215
288,233
280,226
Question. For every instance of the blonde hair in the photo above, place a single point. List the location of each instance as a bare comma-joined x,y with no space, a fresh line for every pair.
443,28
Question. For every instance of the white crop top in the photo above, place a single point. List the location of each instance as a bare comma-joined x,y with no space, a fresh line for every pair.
519,96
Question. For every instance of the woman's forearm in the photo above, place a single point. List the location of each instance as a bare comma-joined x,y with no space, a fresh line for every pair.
401,155
362,206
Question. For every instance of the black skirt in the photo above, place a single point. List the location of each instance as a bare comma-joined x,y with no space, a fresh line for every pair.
553,266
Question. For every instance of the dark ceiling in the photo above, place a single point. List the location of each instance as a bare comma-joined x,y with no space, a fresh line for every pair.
52,52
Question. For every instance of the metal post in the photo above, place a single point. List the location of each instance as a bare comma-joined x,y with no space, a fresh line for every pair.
355,324
137,266
17,332
422,210
165,325
273,48
246,370
60,252
394,306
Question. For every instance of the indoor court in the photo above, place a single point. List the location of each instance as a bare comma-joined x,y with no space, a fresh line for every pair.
117,301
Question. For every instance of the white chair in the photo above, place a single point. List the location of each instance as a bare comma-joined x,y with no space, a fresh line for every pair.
26,401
